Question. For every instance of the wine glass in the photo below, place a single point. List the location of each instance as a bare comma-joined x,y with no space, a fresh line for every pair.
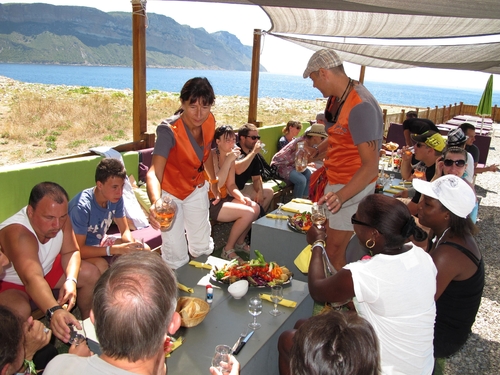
262,145
419,171
276,297
318,214
255,308
280,211
391,177
220,359
77,336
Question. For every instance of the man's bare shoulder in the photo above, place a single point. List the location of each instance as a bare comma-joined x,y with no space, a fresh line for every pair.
15,236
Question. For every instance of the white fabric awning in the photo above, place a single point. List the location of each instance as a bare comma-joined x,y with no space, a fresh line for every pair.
479,57
376,25
392,20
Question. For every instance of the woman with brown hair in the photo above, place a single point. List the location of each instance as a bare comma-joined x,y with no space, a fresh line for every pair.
290,131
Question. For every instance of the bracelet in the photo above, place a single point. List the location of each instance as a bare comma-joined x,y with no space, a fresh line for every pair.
108,251
319,243
214,181
29,366
72,279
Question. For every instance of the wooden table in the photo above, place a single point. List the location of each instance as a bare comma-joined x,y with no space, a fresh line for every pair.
227,319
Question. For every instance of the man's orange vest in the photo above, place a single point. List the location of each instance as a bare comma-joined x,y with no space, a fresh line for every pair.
183,172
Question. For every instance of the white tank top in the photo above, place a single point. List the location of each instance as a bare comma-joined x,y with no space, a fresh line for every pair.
47,252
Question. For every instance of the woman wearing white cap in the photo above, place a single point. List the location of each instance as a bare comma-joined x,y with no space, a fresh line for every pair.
285,160
445,208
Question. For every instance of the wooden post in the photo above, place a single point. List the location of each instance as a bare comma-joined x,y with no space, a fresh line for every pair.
384,119
461,108
362,74
254,78
402,116
139,69
428,112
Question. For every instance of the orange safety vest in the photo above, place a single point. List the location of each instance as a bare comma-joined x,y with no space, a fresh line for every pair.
183,171
342,158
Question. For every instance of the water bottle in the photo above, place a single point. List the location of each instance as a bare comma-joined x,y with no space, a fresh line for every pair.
300,158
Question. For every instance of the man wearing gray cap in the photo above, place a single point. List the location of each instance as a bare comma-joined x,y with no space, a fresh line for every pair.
355,128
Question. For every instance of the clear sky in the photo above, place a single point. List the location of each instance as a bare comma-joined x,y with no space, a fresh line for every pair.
277,56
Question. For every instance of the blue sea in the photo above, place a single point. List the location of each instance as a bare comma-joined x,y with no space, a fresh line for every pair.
229,83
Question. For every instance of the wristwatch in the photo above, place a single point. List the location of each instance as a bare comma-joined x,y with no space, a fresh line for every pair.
51,312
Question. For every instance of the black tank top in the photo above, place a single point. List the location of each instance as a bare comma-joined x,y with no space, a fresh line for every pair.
457,307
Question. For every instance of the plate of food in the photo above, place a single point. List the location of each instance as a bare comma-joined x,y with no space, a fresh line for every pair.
300,222
258,272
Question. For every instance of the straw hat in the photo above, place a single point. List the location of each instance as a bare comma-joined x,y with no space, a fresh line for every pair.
316,129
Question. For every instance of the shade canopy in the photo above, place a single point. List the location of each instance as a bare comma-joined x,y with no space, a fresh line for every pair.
390,20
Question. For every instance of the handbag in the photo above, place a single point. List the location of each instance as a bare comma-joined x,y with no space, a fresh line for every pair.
317,184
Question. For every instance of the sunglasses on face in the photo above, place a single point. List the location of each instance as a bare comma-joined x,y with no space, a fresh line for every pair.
356,221
458,163
254,137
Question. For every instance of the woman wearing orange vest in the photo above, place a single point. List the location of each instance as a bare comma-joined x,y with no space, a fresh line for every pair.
181,154
233,205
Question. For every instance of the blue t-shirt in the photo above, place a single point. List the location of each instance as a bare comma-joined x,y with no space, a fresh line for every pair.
90,219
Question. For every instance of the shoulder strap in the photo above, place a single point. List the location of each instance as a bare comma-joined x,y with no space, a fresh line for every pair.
464,251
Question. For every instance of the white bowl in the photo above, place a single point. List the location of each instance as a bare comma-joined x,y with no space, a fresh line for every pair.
238,289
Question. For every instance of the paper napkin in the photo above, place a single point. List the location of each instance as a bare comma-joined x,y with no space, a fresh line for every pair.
283,302
200,265
285,208
303,259
274,216
398,187
175,345
303,201
185,288
391,191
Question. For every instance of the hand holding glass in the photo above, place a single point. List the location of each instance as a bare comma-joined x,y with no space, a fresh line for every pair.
220,359
276,297
255,308
318,214
77,336
165,209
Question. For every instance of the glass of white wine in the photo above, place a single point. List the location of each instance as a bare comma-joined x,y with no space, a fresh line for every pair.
318,215
255,308
276,297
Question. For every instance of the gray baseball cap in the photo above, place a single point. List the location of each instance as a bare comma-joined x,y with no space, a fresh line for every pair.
324,58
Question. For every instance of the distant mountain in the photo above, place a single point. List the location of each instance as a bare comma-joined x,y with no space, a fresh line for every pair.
48,34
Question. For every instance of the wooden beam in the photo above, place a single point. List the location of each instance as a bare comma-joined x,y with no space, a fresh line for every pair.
254,78
362,74
140,116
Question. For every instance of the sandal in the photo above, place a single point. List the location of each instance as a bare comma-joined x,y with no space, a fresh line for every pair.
242,247
228,255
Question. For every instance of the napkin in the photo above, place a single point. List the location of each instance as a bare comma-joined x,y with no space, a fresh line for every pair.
175,345
274,216
185,288
303,201
283,302
285,208
200,265
398,187
391,191
303,259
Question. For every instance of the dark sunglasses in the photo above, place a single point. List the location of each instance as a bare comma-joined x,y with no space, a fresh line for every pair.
254,137
356,221
458,163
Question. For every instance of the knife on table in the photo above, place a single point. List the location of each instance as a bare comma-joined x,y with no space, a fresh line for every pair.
242,343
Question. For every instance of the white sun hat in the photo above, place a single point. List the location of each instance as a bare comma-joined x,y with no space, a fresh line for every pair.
452,191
